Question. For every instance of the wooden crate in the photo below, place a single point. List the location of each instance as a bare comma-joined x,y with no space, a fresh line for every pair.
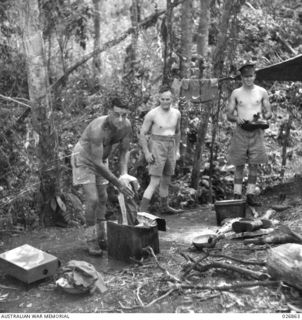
28,264
126,241
229,209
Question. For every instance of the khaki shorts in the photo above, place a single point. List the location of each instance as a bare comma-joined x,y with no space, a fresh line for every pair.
247,146
83,173
163,150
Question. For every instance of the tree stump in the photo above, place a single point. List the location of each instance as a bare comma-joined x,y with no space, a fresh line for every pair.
285,263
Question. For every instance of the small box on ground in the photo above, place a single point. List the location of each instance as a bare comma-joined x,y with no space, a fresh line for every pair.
28,264
125,242
229,209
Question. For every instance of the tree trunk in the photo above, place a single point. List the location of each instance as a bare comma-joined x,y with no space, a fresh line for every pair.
42,116
230,9
167,36
97,40
185,66
202,48
203,28
186,39
202,131
285,263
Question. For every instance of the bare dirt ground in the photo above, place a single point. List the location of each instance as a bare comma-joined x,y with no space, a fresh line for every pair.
160,285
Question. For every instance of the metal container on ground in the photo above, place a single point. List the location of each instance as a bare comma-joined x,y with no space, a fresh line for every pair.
28,264
125,242
229,209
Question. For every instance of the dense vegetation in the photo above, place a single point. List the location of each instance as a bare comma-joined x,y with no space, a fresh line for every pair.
133,62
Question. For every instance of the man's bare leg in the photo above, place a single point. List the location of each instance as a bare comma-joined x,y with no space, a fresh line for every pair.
164,196
238,182
251,187
91,207
145,202
101,216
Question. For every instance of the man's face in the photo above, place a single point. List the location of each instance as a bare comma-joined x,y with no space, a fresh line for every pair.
166,100
248,76
118,116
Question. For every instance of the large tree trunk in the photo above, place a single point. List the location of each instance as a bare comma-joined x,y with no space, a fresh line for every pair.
186,39
42,115
97,40
185,66
202,49
167,36
203,28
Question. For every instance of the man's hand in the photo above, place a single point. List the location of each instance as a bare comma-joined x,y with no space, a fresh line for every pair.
125,190
177,155
149,157
240,120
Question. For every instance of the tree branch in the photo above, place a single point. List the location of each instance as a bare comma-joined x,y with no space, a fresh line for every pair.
146,23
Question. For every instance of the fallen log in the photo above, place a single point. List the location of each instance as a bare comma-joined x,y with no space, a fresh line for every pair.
244,271
285,263
282,234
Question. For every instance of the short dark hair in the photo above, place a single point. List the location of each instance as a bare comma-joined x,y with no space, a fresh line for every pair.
119,102
165,88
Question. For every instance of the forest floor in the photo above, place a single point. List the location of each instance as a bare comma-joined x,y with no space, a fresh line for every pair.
148,287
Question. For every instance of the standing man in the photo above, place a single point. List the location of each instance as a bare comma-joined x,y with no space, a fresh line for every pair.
246,104
162,149
90,168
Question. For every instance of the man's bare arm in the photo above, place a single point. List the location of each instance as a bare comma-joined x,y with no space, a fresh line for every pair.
177,135
231,108
96,161
267,111
147,124
124,153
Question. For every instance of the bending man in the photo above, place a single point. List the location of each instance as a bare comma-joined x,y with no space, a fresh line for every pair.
90,168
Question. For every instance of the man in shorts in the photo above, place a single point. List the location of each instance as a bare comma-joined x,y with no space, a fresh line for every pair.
247,144
162,149
90,168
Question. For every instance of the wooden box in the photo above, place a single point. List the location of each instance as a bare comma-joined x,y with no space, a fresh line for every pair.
28,264
229,209
126,241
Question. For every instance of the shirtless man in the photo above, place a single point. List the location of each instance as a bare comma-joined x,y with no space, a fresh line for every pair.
162,150
247,146
90,169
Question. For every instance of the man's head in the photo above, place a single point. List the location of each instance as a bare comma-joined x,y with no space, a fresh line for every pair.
247,72
119,111
166,97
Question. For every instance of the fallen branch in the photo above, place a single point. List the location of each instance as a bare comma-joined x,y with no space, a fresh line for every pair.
195,263
249,273
225,287
256,263
161,297
163,269
138,297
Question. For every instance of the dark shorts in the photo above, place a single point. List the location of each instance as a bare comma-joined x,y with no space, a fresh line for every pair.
83,173
247,147
163,150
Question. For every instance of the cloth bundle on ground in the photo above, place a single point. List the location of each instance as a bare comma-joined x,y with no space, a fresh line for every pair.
80,277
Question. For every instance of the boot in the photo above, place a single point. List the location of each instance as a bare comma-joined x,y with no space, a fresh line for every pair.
144,205
166,209
251,200
91,240
101,231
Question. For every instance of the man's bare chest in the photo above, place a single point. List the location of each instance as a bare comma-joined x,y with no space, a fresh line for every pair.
168,121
